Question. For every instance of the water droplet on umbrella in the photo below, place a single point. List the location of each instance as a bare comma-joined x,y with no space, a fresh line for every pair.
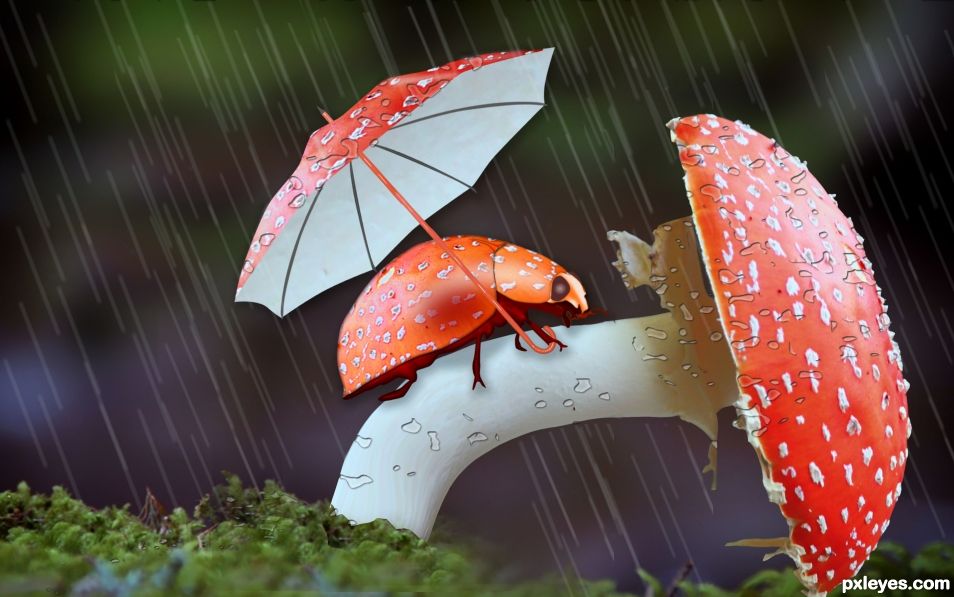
363,442
582,385
435,441
541,404
568,403
605,396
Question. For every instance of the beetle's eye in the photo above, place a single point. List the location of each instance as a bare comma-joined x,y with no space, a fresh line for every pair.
560,289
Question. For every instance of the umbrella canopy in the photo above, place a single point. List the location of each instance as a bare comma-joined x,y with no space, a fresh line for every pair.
430,134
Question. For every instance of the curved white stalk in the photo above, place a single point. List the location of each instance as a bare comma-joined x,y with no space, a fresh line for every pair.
410,451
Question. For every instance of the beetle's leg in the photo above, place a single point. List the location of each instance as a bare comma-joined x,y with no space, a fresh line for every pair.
516,338
517,345
545,334
401,391
476,365
570,316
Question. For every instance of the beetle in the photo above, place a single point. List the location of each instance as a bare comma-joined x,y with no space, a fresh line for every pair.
421,306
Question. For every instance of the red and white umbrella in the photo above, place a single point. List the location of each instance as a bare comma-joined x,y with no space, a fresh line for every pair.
426,136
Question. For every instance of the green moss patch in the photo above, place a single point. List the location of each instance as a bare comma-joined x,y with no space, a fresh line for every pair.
247,541
238,540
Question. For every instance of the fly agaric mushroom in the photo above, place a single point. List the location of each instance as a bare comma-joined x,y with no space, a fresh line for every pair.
796,337
823,399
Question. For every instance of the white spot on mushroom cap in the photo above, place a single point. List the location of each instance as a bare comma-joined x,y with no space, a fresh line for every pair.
822,524
816,474
811,357
791,286
842,400
854,426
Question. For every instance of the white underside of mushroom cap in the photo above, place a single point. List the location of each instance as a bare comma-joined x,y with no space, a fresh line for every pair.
748,421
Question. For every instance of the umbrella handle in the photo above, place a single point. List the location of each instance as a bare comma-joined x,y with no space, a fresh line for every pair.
443,245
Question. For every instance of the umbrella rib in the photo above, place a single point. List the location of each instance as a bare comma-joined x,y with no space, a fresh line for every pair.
294,252
465,108
425,164
357,205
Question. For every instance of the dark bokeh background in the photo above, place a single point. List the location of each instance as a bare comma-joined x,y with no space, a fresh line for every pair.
142,140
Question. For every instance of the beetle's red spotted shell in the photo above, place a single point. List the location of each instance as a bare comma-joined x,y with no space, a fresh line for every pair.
421,305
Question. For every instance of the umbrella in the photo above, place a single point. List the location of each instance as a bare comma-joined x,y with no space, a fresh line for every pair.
426,135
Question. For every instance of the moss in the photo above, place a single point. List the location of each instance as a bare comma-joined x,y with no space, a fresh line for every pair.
241,540
236,540
889,561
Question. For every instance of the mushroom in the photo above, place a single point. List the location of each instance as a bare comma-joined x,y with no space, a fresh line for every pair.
409,451
822,396
796,337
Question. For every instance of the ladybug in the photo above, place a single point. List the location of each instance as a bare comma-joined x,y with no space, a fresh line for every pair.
421,306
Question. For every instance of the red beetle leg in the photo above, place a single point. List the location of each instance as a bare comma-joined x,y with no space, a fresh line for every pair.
401,391
476,365
517,345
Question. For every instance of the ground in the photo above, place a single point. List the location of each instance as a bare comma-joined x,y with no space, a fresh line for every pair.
242,540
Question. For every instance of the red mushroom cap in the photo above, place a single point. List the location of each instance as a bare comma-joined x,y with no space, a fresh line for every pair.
822,394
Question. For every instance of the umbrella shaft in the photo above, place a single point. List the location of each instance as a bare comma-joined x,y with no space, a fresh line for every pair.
440,241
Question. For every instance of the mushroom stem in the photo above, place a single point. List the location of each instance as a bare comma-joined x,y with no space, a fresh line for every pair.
410,451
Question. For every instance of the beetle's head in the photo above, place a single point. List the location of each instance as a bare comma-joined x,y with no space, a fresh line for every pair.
527,277
567,288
